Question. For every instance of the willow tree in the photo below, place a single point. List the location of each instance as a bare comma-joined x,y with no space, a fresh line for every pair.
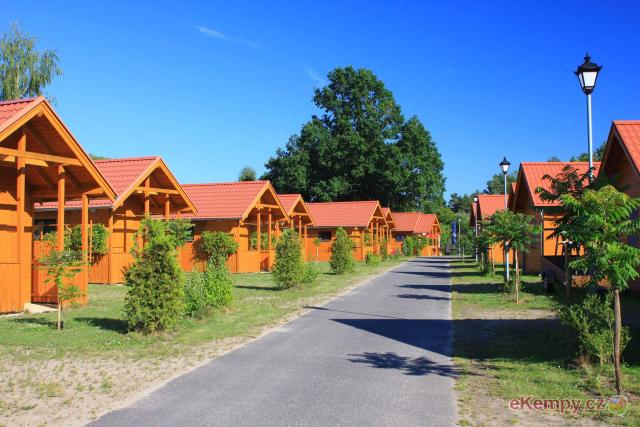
602,220
24,70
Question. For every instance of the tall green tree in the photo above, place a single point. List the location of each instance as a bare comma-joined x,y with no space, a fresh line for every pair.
24,70
602,221
496,184
584,157
360,148
247,173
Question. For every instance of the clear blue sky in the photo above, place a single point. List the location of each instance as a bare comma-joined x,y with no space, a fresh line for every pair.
213,87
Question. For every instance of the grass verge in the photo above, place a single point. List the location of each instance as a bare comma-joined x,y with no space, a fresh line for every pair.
506,350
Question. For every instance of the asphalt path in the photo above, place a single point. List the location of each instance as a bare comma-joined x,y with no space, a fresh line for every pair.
380,355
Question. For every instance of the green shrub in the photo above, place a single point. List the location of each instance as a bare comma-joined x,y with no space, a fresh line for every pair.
311,272
408,246
288,269
593,322
342,253
372,259
218,246
99,237
218,285
367,238
384,249
155,300
195,297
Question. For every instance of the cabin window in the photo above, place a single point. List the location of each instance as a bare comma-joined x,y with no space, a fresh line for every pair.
400,237
42,227
324,236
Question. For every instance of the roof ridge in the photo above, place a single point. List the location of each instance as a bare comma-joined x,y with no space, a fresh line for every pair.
127,159
348,201
19,100
224,183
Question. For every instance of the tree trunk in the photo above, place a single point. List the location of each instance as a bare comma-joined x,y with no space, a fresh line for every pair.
517,278
59,313
616,339
567,272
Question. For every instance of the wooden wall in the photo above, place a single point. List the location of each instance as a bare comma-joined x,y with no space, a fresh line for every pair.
15,271
323,252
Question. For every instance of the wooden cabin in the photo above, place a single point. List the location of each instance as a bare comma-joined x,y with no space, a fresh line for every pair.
621,164
250,211
40,160
527,200
416,224
487,205
300,218
144,187
363,221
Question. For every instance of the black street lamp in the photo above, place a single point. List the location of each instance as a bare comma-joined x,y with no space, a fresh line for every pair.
504,167
587,76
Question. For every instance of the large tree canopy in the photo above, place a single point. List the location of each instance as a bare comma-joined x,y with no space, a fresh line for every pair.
360,148
24,71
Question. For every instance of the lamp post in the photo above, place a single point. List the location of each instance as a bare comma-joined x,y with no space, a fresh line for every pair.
475,224
587,75
504,167
459,239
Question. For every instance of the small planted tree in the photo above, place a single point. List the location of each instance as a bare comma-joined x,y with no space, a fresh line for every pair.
513,231
316,243
601,219
218,246
61,267
155,300
289,268
341,260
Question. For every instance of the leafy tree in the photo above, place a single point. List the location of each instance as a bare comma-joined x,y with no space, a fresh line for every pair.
155,300
99,237
601,220
461,203
341,260
572,182
584,157
24,71
289,268
360,148
247,173
496,184
218,246
97,157
61,267
554,158
513,231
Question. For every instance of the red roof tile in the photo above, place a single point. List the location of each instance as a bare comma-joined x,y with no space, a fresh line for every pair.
406,221
123,173
226,200
343,214
629,131
288,201
534,171
425,224
488,204
11,110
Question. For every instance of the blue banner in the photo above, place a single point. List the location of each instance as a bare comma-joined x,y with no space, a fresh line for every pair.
454,233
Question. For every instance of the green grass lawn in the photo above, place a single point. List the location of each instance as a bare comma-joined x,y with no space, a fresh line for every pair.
508,350
100,327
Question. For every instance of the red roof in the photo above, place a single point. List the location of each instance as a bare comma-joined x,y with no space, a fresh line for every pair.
11,110
406,221
226,200
426,223
629,131
123,173
488,204
534,171
414,222
343,214
289,201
